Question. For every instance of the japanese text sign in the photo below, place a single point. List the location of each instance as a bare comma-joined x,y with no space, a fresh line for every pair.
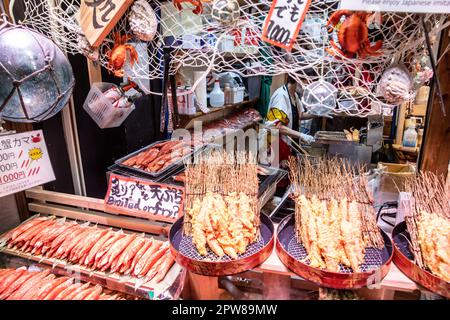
98,17
283,23
419,6
24,162
144,199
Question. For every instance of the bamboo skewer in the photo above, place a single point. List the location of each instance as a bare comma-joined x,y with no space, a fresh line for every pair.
222,173
334,178
428,196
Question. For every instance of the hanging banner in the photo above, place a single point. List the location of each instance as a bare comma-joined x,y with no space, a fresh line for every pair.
419,6
98,17
283,23
144,199
24,162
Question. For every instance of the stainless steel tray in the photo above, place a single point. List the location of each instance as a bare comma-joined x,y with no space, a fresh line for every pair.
158,174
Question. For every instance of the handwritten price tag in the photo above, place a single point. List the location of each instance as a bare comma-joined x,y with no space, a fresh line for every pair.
144,199
283,23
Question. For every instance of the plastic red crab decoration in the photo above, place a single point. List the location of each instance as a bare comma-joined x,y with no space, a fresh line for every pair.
117,56
353,34
196,3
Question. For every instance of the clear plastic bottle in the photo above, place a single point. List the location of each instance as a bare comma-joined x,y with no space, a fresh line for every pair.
216,97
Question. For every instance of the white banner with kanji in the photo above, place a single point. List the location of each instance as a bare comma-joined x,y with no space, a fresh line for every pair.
419,6
24,162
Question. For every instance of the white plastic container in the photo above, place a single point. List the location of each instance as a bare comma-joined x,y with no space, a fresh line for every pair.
101,109
185,101
410,137
216,97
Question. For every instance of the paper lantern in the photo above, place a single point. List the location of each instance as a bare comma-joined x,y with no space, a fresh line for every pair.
36,77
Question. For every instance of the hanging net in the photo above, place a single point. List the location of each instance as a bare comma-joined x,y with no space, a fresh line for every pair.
200,42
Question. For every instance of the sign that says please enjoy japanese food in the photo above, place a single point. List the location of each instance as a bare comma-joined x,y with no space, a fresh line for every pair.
283,23
24,162
419,6
144,199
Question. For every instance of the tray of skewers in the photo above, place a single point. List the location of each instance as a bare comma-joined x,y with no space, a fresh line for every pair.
106,256
332,239
158,158
222,232
422,241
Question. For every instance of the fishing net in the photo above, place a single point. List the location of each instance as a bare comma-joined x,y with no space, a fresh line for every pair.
200,42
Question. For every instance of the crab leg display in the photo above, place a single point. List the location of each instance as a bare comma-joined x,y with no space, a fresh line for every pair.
159,156
90,246
20,284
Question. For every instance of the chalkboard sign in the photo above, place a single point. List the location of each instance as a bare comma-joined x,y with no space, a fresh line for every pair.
144,199
284,21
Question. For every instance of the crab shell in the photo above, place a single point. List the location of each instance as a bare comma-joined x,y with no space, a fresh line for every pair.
117,56
353,34
143,20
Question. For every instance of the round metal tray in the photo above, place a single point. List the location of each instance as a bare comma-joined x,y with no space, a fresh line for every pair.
375,267
404,260
186,253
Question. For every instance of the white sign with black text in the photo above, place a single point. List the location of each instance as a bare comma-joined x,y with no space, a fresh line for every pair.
24,162
413,6
144,199
283,22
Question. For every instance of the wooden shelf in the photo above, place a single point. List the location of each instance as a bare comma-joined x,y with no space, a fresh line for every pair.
187,121
399,147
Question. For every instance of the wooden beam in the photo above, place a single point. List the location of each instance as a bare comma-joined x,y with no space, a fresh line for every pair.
435,153
203,287
67,199
101,218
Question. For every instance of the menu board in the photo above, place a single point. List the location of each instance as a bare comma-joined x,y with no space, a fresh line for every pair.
144,199
24,162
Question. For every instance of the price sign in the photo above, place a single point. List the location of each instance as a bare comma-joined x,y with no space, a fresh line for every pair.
24,162
419,6
98,17
144,199
283,23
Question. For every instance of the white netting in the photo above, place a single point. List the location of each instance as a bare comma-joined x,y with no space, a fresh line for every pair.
201,43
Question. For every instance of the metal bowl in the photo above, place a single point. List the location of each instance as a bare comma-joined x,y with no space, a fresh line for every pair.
375,267
404,260
187,255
